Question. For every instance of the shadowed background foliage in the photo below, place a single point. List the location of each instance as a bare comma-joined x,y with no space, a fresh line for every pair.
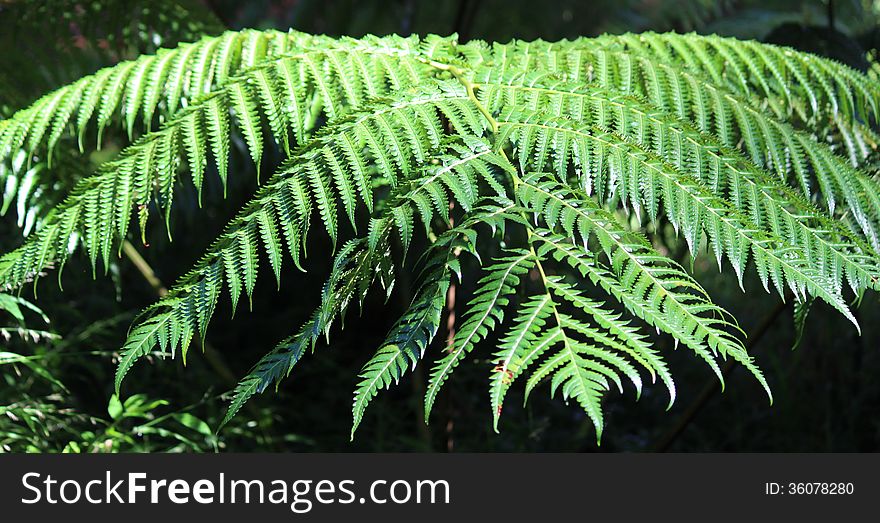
56,374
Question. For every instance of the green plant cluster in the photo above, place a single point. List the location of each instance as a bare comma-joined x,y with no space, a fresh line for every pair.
542,160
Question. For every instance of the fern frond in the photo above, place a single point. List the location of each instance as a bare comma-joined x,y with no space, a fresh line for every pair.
173,79
667,297
289,81
642,179
691,89
137,89
355,268
415,330
524,342
408,339
580,367
326,169
812,86
546,144
771,143
594,352
278,363
771,203
788,79
189,304
484,313
285,204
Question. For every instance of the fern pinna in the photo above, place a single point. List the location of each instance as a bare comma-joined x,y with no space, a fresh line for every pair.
540,160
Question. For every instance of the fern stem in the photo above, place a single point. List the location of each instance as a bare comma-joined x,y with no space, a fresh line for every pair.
544,280
144,268
566,342
470,87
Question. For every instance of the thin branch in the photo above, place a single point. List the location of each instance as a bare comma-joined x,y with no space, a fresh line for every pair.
714,385
450,341
144,268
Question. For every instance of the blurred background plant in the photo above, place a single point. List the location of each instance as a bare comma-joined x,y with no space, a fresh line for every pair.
57,361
